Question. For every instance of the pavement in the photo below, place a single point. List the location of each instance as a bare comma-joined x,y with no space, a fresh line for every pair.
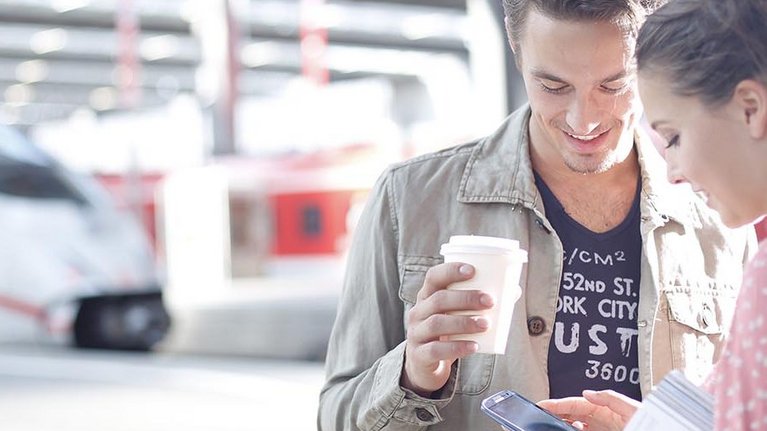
45,388
287,314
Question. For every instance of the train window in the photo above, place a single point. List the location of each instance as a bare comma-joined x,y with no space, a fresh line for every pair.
37,182
311,220
14,146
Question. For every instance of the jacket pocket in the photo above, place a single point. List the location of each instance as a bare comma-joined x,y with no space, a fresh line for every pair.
413,277
698,321
474,371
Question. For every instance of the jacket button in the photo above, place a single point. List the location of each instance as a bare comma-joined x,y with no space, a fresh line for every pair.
423,414
536,325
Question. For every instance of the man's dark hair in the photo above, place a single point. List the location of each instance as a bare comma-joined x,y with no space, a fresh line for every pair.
627,14
706,47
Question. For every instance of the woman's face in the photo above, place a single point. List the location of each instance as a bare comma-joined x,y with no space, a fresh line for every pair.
709,148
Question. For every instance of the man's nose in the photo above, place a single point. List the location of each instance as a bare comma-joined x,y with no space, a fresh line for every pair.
583,115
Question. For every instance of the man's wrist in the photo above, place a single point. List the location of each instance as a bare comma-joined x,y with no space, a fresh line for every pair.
406,383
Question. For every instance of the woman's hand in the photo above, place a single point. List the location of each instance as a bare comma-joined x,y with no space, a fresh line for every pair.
595,411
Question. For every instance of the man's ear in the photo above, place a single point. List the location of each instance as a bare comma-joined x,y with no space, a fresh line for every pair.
750,97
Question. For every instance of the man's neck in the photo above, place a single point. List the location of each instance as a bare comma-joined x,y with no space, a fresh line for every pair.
556,174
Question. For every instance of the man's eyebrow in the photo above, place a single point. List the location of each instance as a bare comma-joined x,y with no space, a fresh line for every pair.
549,77
546,75
656,124
620,75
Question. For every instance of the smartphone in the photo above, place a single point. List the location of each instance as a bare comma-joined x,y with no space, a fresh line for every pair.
517,413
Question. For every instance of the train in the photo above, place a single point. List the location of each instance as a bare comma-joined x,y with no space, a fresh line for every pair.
74,268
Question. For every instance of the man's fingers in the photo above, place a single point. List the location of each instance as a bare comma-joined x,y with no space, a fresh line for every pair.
440,276
436,351
618,403
446,301
573,407
580,425
438,325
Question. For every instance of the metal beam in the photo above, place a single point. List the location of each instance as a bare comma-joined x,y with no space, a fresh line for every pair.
366,38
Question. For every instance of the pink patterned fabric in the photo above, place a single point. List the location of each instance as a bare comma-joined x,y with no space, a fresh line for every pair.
739,381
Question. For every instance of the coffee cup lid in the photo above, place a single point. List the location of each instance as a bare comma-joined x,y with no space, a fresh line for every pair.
482,244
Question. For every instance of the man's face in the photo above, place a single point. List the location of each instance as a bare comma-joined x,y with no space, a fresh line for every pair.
581,84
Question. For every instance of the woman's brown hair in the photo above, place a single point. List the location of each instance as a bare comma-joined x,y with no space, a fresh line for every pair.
706,47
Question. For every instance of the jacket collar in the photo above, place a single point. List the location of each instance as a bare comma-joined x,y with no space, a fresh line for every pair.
499,170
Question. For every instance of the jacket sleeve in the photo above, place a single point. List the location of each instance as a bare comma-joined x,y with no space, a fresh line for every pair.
366,349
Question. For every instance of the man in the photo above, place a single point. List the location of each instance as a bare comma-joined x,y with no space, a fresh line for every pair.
626,278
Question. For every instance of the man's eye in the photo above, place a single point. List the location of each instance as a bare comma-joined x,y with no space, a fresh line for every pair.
614,87
552,88
673,141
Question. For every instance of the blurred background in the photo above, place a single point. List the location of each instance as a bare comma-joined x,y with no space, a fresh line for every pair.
179,180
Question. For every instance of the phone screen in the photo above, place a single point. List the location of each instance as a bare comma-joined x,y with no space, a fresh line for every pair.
520,414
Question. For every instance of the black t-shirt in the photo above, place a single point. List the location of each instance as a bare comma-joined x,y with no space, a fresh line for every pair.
594,345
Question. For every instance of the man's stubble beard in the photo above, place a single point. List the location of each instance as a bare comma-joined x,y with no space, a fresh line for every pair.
602,166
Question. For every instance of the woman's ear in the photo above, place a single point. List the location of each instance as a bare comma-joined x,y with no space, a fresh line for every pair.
750,97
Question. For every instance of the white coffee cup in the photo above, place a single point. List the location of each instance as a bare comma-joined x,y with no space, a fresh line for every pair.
497,266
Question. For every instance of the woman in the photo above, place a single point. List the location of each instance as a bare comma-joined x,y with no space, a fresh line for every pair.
703,80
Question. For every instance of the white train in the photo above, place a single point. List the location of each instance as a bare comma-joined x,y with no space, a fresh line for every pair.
73,268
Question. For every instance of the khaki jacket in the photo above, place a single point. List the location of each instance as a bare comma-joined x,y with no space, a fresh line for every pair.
690,272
